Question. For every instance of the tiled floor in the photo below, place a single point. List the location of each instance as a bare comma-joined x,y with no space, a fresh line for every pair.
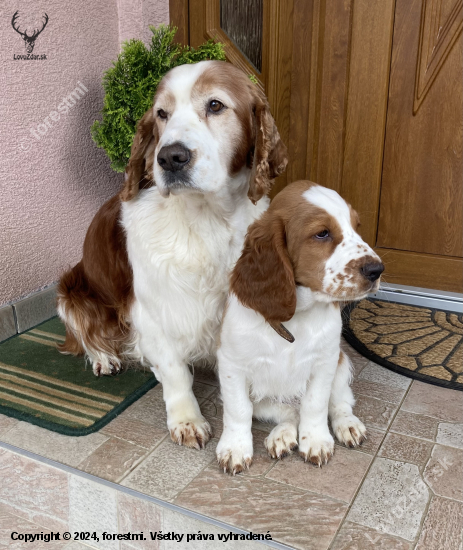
403,489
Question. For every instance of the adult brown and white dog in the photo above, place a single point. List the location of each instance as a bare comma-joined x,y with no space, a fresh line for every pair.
154,276
300,260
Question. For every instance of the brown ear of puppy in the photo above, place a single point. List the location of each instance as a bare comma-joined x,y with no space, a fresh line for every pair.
270,154
263,278
139,170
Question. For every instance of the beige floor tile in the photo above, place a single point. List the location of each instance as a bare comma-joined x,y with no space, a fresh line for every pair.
139,516
136,432
442,528
93,508
169,469
376,381
76,546
406,449
150,409
10,524
415,425
339,479
392,499
376,373
6,423
113,460
379,391
294,517
442,403
183,524
34,491
62,448
353,536
450,434
443,472
374,413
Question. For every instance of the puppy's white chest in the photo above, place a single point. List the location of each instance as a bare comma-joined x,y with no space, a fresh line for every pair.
274,367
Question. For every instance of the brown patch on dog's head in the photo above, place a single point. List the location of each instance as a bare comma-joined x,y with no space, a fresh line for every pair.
259,146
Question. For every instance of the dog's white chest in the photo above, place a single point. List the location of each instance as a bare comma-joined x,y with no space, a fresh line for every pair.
274,367
180,269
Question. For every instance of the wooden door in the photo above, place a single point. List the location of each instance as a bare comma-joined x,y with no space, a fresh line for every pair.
421,201
367,95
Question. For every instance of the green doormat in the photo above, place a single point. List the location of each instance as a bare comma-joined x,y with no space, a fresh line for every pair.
60,392
418,342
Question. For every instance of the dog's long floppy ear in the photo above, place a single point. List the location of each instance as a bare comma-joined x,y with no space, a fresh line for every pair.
270,153
139,170
263,278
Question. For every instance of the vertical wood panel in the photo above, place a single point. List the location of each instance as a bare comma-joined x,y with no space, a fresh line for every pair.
372,26
302,84
178,16
279,29
327,169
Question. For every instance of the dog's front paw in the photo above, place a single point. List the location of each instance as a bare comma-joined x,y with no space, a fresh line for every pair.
106,368
282,440
349,430
234,453
316,447
193,433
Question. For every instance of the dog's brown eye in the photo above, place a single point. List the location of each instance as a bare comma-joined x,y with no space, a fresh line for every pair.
162,114
215,106
323,234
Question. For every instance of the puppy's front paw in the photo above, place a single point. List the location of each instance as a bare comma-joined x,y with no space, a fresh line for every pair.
193,433
316,447
234,453
349,430
282,440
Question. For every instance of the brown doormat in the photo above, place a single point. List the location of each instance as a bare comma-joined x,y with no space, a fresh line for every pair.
418,342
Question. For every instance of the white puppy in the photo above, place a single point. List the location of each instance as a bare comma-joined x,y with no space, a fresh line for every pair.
300,260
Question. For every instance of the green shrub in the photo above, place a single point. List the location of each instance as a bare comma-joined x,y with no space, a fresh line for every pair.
131,83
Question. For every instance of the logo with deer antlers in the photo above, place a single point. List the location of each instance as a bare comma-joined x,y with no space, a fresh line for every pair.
28,40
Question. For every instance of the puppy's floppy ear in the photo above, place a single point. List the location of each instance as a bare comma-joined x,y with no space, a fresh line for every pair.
139,170
270,154
263,278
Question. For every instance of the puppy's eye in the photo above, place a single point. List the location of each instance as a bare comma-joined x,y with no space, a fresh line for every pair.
322,235
162,114
215,106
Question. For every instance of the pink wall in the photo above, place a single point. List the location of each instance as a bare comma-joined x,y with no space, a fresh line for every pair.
52,186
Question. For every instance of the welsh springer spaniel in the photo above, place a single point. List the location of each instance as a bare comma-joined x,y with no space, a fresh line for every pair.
300,260
154,276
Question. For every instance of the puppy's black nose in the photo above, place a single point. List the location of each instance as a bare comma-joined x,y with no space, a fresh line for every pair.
372,271
173,157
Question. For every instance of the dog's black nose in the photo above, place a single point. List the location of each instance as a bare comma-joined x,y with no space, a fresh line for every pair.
173,157
372,271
